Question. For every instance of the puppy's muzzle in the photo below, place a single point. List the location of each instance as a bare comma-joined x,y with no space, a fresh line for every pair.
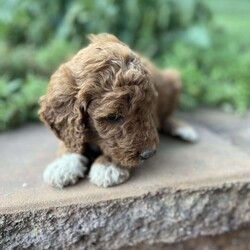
146,154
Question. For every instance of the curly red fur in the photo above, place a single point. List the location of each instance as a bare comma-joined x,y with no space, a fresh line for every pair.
108,78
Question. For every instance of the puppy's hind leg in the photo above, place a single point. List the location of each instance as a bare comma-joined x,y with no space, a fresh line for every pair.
180,129
105,173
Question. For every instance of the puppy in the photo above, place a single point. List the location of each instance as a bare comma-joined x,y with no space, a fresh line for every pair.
109,97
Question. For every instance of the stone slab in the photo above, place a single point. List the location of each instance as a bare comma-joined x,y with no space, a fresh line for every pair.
232,127
185,191
218,120
26,151
235,240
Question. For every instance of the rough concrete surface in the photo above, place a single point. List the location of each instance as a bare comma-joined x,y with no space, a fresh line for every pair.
234,240
183,192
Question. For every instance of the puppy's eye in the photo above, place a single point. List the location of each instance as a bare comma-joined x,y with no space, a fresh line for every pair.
114,117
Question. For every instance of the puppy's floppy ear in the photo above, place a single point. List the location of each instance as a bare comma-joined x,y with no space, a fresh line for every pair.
61,111
104,37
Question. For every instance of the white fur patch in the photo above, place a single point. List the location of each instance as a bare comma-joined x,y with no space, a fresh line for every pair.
107,175
186,133
66,170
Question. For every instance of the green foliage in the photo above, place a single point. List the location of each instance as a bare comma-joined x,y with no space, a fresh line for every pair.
18,99
214,76
37,36
145,25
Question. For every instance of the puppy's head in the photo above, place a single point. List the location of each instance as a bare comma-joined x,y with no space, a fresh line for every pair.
104,95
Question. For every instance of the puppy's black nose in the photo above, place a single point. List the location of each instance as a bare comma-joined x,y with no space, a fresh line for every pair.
146,154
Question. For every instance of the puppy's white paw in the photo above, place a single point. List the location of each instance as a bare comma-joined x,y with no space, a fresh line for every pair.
66,170
107,175
186,133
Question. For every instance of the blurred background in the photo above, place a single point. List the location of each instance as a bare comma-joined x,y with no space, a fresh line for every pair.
208,41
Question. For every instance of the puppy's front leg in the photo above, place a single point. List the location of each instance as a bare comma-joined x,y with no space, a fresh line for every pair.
104,173
65,170
180,129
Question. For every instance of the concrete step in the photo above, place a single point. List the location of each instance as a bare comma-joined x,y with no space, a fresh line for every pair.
186,190
232,127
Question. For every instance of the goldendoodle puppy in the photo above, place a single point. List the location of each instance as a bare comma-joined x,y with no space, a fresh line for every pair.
110,98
